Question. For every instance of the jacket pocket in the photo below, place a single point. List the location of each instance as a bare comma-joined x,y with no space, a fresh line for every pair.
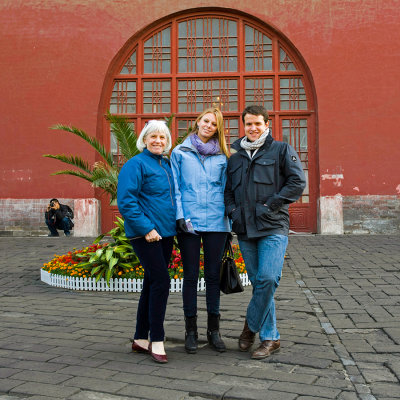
264,170
265,218
264,174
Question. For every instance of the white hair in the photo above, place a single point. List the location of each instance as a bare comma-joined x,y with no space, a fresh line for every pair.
154,126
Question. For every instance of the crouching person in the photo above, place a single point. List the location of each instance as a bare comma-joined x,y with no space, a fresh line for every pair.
58,216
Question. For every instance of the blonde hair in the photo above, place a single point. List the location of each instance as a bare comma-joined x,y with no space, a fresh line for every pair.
151,127
219,134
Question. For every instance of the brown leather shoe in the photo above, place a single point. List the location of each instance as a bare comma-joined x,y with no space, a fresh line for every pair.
266,348
246,339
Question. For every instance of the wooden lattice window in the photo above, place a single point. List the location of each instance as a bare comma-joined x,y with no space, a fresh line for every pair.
294,132
207,44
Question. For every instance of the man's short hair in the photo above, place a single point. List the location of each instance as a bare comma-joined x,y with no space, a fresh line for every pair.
256,110
54,200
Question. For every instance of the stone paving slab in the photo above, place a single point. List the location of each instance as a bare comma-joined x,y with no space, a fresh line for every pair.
338,309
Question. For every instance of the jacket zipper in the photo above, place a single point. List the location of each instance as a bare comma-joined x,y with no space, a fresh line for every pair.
169,182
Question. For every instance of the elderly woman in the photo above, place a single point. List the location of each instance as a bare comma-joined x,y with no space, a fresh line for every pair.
147,203
199,169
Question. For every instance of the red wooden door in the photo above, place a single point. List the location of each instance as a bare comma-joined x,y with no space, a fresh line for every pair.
197,60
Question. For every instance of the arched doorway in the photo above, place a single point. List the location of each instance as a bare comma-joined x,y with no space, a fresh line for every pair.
193,60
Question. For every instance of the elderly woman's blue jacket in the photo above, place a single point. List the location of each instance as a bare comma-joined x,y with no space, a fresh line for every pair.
146,196
199,188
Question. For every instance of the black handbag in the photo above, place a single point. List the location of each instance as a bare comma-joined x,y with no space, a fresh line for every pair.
230,281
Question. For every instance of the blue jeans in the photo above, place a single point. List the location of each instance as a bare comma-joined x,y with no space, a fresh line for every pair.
54,224
154,257
264,261
213,247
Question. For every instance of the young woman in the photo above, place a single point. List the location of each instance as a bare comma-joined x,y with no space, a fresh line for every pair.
199,169
146,201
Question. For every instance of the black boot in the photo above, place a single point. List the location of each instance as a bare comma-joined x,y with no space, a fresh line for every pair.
191,334
213,336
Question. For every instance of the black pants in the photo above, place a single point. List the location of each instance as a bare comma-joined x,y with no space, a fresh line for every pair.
213,247
154,257
54,224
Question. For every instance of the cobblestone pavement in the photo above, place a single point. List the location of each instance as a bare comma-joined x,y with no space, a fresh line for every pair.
338,315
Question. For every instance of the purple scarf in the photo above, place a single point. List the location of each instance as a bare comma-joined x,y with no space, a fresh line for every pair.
205,149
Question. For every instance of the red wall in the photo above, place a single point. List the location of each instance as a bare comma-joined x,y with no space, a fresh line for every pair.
54,56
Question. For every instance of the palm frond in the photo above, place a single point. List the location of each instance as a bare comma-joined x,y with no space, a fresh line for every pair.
168,121
106,179
112,192
74,173
124,134
107,156
101,169
106,185
72,160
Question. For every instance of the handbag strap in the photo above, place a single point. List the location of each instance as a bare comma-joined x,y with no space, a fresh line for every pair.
228,251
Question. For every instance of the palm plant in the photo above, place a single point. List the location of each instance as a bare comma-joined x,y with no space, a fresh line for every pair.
104,173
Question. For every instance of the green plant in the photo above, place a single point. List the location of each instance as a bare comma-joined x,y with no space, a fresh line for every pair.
102,174
105,261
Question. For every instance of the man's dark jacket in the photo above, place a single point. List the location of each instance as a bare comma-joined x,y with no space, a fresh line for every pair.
63,211
259,190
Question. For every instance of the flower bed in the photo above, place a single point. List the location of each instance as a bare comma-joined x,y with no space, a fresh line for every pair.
74,271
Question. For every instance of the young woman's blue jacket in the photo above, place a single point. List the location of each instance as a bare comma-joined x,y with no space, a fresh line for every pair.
199,188
146,196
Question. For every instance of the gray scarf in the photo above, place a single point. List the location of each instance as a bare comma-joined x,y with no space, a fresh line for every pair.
247,145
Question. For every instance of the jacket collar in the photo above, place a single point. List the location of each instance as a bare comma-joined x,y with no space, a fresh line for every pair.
187,145
150,154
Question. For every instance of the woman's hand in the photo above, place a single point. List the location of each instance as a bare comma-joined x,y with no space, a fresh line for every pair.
152,236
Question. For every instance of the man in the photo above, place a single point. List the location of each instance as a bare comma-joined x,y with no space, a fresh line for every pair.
264,177
58,216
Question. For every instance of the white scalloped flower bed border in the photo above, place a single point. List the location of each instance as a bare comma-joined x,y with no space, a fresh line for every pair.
116,285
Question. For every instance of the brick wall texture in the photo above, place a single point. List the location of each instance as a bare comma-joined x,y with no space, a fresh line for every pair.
371,214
